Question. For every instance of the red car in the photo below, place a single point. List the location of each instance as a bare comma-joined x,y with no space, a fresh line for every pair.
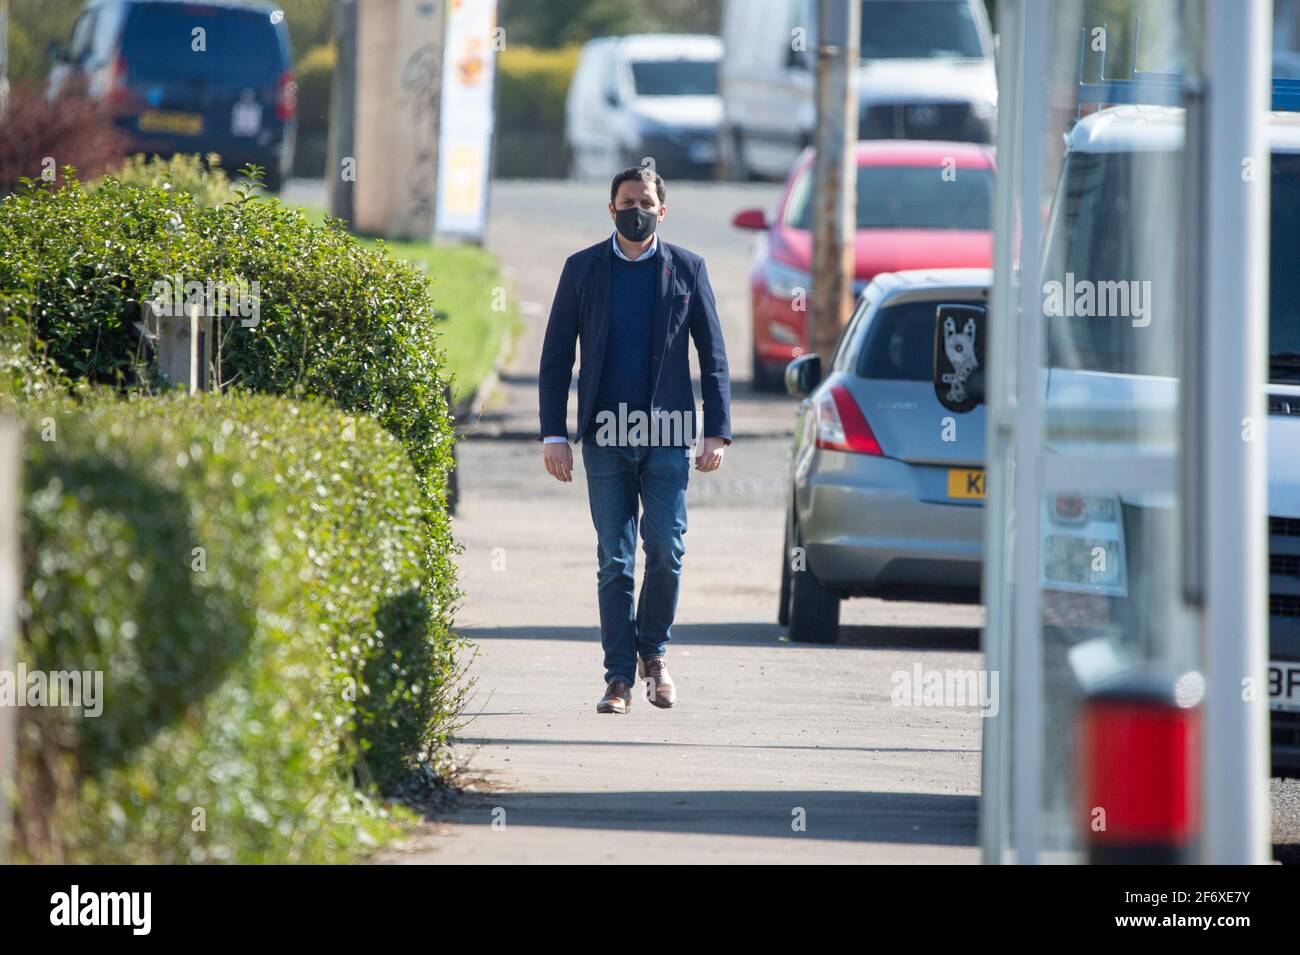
919,205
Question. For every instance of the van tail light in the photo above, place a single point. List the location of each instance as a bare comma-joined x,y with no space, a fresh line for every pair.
286,97
116,94
841,425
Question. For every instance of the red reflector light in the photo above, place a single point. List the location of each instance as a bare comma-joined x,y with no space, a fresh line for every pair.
1141,772
1069,507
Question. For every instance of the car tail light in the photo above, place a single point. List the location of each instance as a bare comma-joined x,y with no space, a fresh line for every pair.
841,425
286,97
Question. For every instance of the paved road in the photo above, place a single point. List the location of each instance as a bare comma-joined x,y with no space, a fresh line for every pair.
767,733
768,738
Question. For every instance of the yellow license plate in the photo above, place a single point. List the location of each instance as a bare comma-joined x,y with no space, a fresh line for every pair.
185,124
966,483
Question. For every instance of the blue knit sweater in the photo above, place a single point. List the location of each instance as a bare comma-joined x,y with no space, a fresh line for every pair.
625,375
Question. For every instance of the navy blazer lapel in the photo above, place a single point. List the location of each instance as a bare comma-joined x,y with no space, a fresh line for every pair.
600,309
663,308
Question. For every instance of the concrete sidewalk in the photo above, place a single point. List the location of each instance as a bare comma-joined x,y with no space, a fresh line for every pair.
776,752
766,733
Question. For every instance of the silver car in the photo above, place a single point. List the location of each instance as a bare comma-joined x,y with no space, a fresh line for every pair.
886,482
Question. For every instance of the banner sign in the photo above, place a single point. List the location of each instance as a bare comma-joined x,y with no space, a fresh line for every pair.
465,132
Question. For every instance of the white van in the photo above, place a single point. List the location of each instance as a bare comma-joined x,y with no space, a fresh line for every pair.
1123,165
926,72
648,95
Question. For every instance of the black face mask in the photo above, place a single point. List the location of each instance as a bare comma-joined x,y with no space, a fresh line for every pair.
636,224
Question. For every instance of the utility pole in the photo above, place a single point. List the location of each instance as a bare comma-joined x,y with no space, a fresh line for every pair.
10,591
834,173
343,100
4,56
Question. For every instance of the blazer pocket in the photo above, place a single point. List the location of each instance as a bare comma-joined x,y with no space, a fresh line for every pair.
677,316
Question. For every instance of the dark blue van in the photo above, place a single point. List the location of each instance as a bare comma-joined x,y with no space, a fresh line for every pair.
189,77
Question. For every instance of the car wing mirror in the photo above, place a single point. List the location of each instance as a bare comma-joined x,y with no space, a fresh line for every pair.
959,336
750,219
803,375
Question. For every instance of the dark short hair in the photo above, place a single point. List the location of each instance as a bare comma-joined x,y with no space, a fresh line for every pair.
645,174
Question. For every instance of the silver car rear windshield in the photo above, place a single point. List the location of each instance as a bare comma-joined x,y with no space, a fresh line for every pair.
898,343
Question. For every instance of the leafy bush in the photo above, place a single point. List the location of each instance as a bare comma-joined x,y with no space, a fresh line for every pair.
24,373
203,178
39,138
249,575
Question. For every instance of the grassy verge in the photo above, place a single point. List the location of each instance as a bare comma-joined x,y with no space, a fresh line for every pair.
478,316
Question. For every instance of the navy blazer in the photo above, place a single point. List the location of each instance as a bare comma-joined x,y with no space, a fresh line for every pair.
684,304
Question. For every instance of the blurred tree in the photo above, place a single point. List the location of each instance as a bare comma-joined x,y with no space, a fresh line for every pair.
311,23
33,25
556,23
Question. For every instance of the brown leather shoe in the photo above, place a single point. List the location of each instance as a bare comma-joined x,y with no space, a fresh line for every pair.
659,687
617,699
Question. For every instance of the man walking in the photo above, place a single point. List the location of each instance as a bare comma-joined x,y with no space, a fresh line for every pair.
631,301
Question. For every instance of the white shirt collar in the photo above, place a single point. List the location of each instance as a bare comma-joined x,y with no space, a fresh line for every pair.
654,247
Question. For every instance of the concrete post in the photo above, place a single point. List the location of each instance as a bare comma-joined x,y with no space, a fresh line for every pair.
185,350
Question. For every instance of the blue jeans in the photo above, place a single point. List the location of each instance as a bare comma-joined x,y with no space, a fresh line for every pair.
616,478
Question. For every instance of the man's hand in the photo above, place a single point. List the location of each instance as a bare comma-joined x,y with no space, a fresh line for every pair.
708,457
559,460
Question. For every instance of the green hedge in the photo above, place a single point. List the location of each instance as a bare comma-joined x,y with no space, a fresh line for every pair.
228,688
338,320
533,84
315,76
531,88
302,650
